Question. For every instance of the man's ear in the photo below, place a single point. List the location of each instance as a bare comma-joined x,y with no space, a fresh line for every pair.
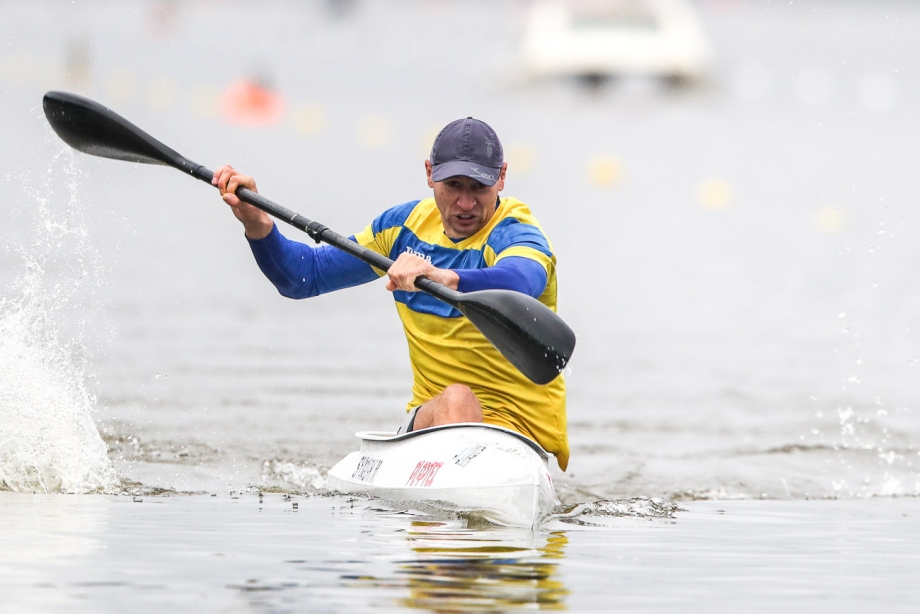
428,173
501,177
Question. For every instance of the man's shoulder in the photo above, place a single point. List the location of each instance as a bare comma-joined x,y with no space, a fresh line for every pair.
511,207
511,212
517,225
396,216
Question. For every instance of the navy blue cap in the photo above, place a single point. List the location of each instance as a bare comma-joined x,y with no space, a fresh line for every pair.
469,148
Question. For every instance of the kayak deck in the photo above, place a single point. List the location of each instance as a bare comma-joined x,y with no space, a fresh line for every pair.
469,467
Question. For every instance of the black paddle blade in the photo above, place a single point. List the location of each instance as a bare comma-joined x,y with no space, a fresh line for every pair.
89,127
526,332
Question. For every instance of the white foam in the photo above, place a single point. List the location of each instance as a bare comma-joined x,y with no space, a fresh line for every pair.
48,440
302,476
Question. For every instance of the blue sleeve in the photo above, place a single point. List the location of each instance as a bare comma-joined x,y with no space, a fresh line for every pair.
301,271
511,273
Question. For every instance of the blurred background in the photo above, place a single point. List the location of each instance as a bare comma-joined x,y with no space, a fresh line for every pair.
730,186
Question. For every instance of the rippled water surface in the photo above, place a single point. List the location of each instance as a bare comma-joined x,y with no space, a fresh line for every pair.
276,553
737,259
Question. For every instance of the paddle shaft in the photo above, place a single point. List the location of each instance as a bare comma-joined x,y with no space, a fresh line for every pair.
321,233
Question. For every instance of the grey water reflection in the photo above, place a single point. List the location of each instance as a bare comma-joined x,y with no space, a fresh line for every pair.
494,569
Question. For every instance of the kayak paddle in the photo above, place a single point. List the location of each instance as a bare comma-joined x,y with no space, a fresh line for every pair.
531,336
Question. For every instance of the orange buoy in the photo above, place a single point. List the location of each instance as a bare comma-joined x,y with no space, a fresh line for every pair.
249,103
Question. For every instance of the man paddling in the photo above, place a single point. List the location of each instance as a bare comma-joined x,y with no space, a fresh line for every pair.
466,238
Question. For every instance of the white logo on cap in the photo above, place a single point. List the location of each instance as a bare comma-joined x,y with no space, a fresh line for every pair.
479,173
489,143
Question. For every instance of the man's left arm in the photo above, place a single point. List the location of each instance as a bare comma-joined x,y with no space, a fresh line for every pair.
523,260
512,273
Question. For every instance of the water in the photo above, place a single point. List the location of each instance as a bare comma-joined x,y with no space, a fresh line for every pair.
246,553
736,259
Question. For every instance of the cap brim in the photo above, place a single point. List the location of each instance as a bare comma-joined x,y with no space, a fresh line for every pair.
463,168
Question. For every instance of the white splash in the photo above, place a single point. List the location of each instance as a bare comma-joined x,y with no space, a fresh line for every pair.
303,477
48,440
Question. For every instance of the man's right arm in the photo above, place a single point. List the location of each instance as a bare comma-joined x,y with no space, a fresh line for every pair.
297,270
300,271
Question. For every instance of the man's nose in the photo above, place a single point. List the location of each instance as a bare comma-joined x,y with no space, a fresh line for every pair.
466,200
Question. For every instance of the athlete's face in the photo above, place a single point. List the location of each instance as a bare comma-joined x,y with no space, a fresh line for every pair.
466,205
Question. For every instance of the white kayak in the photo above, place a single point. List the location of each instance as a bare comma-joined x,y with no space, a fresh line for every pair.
470,467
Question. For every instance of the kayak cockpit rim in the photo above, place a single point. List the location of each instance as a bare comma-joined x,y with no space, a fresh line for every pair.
390,436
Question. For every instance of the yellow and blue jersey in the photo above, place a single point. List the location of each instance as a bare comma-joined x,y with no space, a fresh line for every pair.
444,346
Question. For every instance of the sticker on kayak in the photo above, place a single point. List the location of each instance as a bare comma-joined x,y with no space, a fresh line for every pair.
463,457
424,473
367,469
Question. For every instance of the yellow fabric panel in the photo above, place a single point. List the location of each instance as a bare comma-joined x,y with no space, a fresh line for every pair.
523,251
425,223
378,243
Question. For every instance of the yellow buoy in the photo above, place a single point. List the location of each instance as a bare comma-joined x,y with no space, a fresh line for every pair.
604,170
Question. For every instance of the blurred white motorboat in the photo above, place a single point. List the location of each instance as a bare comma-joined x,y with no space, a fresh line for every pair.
614,38
474,468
